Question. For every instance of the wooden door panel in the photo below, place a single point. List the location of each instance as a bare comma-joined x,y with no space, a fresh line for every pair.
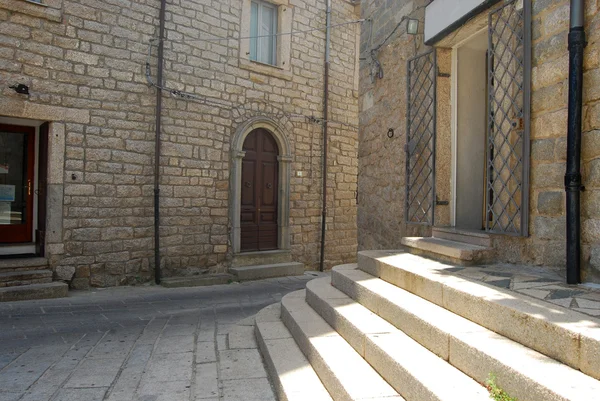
249,240
269,174
248,217
260,176
250,142
269,145
268,237
267,217
248,184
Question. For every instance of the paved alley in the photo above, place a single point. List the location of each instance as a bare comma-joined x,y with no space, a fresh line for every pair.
138,343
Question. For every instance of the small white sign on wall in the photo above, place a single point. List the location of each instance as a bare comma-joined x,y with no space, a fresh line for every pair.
7,193
3,168
4,213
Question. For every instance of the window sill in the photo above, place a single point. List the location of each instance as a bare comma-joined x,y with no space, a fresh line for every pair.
265,69
51,11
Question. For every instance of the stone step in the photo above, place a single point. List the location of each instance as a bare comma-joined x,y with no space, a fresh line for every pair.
258,272
475,350
448,251
34,291
261,258
472,237
196,281
20,264
292,375
415,372
343,372
24,277
559,333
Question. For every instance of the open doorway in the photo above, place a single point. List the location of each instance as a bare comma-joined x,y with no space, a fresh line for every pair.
469,133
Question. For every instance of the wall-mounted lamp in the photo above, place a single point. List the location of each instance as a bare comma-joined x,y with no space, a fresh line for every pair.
412,26
20,88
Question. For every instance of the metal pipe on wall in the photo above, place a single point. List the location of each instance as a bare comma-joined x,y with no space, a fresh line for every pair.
325,133
158,125
577,43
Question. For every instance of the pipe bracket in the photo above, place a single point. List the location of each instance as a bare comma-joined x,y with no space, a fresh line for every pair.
573,182
577,39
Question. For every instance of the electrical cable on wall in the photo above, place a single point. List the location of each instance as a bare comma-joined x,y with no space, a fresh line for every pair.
217,103
378,71
204,100
291,33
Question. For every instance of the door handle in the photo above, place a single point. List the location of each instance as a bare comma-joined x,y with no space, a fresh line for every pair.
28,187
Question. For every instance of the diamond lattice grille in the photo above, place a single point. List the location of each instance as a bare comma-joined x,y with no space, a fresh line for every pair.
420,139
507,135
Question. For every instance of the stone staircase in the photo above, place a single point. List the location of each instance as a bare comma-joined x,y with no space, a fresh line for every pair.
397,326
28,278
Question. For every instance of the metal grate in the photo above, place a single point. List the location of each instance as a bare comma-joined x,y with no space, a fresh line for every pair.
508,119
420,139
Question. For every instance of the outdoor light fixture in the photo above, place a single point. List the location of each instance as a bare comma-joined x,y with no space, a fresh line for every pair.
412,26
20,88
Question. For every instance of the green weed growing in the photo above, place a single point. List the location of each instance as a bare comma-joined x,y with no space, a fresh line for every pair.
496,393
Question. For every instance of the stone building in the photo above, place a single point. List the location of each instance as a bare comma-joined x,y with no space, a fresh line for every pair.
78,149
464,131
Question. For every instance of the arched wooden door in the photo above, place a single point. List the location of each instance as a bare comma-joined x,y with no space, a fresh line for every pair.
260,179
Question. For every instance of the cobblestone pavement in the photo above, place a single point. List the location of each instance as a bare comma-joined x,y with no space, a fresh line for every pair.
139,343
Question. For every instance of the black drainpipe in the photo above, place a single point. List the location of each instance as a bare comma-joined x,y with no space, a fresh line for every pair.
573,186
158,124
325,126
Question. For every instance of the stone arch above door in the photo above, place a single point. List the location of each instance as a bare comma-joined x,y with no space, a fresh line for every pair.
285,159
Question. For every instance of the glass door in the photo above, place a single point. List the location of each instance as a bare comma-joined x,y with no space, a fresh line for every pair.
17,162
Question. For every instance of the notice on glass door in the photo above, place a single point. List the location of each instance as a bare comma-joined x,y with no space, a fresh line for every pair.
4,213
3,168
7,193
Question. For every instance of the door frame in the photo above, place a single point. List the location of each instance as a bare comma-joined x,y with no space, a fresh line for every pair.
31,173
235,186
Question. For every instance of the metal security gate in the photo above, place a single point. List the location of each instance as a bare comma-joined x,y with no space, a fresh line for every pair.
509,66
420,139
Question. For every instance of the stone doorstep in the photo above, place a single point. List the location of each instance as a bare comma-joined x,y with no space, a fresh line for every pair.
343,372
292,375
34,291
20,264
24,276
197,281
258,272
261,258
453,251
19,283
559,333
476,351
472,237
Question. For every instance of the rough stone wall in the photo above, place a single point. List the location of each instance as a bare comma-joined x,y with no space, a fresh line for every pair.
382,161
548,135
88,56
